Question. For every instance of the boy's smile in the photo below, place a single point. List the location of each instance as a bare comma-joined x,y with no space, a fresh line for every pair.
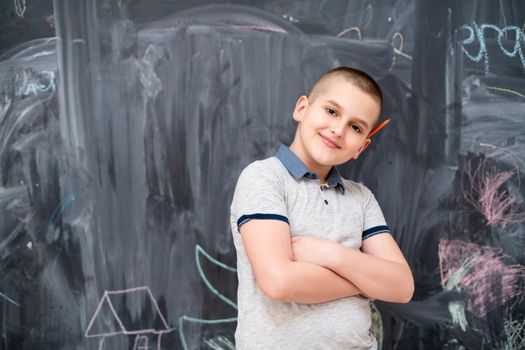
334,124
329,142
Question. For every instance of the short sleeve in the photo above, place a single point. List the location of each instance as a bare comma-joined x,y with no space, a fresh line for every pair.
374,221
259,194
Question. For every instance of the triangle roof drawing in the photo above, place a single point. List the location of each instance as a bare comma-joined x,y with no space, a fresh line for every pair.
112,317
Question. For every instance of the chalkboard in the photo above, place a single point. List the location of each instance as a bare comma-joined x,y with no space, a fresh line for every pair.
125,124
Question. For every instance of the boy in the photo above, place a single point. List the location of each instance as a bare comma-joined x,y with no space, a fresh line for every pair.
313,248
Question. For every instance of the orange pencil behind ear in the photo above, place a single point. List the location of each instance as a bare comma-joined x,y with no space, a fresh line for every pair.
379,127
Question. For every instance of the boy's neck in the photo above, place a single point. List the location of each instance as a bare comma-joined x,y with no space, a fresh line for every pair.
322,171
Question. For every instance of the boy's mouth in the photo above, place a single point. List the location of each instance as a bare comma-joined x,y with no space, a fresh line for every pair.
329,142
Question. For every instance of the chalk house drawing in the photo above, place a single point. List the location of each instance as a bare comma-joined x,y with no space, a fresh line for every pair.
108,322
144,338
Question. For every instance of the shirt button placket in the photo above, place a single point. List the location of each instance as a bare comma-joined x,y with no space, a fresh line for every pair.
323,194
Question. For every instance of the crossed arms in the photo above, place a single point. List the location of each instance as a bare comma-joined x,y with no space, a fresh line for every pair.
310,270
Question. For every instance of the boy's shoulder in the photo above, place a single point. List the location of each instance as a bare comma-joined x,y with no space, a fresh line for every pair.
268,167
355,188
259,177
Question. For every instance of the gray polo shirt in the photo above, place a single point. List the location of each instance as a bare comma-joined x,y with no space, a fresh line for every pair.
282,188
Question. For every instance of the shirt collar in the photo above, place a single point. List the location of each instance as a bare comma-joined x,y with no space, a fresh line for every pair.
298,170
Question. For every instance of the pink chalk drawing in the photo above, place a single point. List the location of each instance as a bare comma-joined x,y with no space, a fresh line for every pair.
107,321
480,272
50,20
486,194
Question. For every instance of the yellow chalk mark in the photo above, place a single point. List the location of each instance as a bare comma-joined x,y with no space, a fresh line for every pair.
351,29
399,50
488,145
512,92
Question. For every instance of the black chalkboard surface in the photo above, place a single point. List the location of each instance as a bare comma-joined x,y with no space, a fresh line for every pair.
124,126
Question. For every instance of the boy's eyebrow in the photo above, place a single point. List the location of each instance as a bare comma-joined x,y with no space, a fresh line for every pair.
339,107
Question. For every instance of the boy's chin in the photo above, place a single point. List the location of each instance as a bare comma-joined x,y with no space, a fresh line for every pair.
329,158
329,161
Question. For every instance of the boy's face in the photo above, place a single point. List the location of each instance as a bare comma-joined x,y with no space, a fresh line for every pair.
333,127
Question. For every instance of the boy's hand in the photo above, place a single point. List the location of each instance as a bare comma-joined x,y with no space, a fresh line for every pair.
313,250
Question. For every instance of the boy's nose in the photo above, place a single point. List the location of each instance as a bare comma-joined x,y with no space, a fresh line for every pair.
338,128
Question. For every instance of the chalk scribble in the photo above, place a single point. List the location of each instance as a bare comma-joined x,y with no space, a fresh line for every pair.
220,343
20,7
481,273
514,334
486,193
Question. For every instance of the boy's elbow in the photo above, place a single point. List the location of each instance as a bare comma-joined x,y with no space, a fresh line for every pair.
409,291
275,293
404,291
406,297
274,286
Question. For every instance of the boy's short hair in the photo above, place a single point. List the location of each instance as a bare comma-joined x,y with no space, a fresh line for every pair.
359,78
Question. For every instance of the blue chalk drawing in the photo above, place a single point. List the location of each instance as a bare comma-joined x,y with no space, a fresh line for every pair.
199,251
9,299
33,84
183,319
61,208
478,32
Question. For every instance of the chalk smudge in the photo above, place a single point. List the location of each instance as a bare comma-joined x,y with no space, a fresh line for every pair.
457,312
480,272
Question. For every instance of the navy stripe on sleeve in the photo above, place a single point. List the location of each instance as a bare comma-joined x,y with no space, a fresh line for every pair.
246,218
375,230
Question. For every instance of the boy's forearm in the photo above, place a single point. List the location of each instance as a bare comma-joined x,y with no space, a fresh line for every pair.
377,278
312,284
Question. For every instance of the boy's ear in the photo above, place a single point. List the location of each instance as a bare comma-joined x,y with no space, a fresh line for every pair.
363,147
300,107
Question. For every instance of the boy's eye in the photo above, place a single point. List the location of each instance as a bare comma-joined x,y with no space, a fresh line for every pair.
356,128
331,111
